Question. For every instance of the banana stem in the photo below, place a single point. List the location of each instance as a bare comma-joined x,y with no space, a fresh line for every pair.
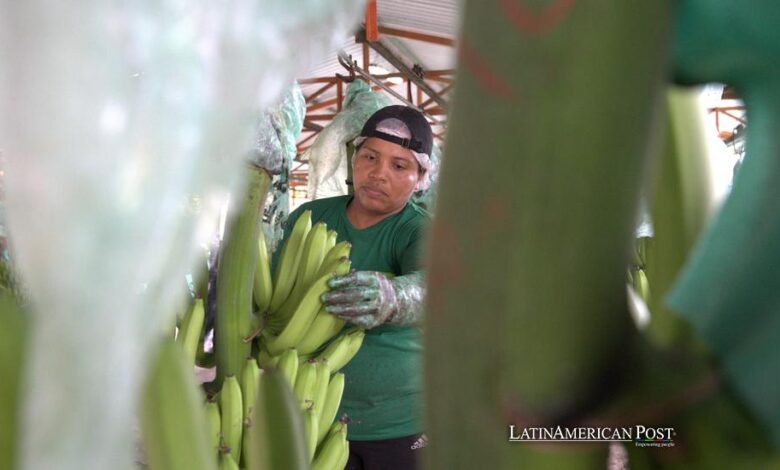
534,284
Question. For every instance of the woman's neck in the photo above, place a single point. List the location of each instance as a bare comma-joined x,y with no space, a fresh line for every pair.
361,218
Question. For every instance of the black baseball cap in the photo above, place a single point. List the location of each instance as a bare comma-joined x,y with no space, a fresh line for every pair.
422,137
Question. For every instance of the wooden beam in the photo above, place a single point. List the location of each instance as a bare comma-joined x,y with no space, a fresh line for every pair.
440,40
310,125
372,28
322,90
399,64
310,81
320,117
430,100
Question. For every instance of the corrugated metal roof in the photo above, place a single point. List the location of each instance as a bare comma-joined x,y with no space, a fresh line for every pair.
426,16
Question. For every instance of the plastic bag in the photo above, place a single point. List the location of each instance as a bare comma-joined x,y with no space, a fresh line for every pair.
327,156
112,115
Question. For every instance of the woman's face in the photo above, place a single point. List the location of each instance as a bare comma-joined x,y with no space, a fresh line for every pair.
384,175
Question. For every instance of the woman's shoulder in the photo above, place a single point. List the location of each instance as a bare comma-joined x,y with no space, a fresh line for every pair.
318,206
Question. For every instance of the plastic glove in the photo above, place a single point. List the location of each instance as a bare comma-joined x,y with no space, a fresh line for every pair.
369,299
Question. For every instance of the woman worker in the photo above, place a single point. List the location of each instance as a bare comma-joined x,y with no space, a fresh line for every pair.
383,395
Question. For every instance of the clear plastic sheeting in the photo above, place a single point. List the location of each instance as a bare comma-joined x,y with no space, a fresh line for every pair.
278,130
112,115
427,198
327,156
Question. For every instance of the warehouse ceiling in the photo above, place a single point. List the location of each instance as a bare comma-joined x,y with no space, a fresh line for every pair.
404,48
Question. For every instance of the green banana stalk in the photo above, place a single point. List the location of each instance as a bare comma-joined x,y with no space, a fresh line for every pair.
324,327
288,366
173,422
332,449
277,432
310,304
680,210
191,330
330,405
232,411
287,269
263,283
226,462
13,337
305,383
235,281
310,432
550,245
214,427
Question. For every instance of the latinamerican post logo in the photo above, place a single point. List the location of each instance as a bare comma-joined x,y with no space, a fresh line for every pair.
640,435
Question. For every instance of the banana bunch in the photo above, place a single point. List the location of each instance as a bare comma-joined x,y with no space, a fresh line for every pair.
293,315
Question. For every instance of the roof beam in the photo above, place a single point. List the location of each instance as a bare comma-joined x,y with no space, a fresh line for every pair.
399,64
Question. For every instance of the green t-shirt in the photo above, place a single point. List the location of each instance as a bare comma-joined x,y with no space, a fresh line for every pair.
383,391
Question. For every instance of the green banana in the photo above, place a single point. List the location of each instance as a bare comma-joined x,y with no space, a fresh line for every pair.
288,366
312,256
310,304
277,432
191,329
232,409
311,259
214,426
173,420
324,327
321,387
341,350
265,360
340,250
287,269
330,406
344,458
332,237
263,284
226,462
641,285
13,338
305,383
332,449
235,281
249,379
310,430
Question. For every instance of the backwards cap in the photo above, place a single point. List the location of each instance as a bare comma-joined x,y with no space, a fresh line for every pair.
406,127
